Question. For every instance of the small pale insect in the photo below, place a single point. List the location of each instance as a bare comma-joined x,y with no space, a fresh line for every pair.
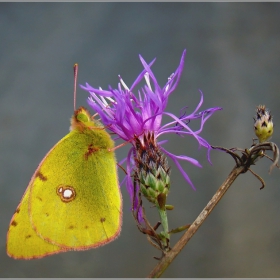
263,123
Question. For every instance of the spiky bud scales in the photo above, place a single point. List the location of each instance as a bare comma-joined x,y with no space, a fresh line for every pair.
152,172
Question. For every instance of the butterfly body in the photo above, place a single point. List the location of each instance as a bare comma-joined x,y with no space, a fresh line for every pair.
73,201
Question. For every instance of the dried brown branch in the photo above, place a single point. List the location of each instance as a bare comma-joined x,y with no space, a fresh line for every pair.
243,163
170,256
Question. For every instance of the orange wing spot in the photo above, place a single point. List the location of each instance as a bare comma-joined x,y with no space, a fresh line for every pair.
40,175
66,193
90,151
102,220
17,211
71,227
14,223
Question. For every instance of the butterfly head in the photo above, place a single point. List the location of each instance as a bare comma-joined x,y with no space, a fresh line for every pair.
82,120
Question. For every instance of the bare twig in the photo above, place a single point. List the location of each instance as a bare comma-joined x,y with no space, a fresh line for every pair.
170,256
243,163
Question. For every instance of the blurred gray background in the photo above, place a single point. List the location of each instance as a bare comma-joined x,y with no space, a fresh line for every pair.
233,56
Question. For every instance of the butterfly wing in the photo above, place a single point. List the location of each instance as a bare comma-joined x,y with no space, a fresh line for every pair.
73,200
22,240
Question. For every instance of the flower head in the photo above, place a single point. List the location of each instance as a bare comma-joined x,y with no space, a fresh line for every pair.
137,117
263,123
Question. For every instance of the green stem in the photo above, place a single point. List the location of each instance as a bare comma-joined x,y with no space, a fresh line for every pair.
164,223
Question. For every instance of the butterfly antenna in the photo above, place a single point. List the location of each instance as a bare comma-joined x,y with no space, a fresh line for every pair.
75,83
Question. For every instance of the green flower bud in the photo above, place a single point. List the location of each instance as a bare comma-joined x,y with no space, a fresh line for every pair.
263,124
152,172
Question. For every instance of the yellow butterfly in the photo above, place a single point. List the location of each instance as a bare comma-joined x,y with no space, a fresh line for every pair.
73,201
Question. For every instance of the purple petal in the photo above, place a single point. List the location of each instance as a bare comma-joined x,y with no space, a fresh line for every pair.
185,175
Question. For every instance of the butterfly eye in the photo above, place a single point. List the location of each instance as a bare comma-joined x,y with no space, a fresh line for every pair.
82,117
66,193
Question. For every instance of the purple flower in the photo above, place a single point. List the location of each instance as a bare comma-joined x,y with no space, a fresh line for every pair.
135,116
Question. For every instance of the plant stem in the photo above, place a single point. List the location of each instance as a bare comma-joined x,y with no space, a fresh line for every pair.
164,222
170,256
